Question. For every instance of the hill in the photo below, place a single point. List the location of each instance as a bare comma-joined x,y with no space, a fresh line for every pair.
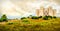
29,24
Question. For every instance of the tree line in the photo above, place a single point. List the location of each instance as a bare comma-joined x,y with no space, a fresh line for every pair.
4,17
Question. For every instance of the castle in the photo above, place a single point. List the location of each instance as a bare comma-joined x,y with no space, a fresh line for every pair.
46,11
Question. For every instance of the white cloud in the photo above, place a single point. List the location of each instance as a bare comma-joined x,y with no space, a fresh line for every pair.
25,8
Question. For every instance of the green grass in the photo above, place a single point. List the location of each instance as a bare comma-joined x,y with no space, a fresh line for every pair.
30,25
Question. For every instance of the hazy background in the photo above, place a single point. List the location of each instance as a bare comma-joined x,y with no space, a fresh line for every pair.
20,8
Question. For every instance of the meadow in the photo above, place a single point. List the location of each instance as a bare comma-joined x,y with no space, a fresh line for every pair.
29,24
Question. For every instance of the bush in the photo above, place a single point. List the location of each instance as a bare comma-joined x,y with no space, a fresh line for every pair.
35,17
54,16
25,21
28,17
0,20
40,16
45,17
4,18
50,17
10,23
23,18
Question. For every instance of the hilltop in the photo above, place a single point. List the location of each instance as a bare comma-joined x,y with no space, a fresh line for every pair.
31,24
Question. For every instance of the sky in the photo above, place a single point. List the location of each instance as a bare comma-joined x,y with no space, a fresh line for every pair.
20,8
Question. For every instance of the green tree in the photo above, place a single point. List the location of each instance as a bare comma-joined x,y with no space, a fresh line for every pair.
45,17
4,18
54,16
35,17
0,20
50,17
40,16
23,18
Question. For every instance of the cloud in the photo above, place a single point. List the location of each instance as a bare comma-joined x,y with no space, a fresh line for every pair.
26,7
57,1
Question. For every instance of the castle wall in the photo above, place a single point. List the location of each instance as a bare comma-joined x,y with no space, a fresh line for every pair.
41,11
46,12
37,12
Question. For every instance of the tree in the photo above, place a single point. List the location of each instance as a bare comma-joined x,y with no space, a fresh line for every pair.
35,17
23,18
0,20
40,16
50,17
54,16
45,17
4,18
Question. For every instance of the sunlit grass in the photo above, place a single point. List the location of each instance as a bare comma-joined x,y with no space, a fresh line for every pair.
31,25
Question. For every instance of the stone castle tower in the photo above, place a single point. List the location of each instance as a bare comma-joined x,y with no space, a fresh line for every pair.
46,11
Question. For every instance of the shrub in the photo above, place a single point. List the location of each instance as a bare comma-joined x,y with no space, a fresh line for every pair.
35,17
50,17
25,21
23,18
54,16
28,17
40,16
0,20
10,23
45,17
4,18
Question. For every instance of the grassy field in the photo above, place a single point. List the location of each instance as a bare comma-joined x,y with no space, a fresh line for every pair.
31,25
